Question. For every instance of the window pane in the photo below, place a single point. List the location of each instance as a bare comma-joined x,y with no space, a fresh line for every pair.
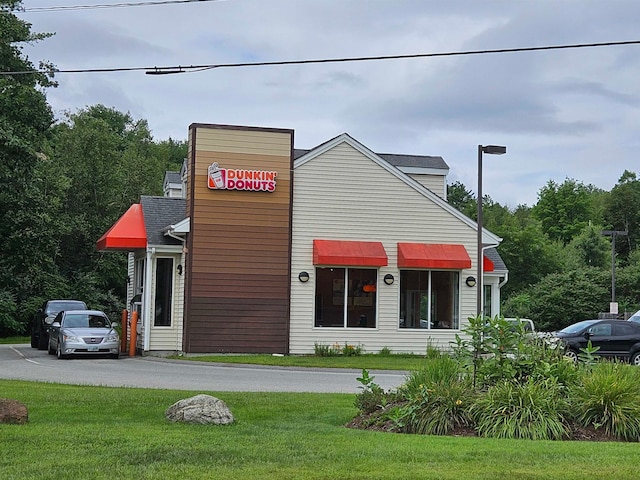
164,292
445,288
414,299
330,296
361,301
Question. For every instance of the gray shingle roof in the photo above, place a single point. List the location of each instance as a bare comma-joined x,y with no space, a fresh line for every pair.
398,160
159,213
493,255
172,177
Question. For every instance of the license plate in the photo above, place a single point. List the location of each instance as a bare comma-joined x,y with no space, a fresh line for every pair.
93,349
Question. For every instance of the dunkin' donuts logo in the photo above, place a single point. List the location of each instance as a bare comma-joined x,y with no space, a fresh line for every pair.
239,179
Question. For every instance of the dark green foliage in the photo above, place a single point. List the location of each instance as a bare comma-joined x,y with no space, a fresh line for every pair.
532,410
606,396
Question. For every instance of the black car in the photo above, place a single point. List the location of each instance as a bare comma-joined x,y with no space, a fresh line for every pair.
615,339
43,319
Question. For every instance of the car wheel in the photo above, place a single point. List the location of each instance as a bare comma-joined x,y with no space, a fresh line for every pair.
635,359
572,355
115,356
59,353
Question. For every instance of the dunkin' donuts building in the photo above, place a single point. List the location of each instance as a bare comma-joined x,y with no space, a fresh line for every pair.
258,247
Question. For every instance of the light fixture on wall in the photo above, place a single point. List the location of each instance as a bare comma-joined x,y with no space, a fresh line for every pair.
179,269
388,279
303,277
470,281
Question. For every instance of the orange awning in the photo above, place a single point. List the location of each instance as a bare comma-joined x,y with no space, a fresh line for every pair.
348,252
128,233
433,255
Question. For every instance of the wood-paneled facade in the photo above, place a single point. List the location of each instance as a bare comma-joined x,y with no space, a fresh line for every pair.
239,247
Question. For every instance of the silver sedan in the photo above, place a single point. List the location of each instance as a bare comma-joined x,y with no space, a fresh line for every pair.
83,332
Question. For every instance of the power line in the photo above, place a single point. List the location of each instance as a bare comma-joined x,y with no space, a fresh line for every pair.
196,68
114,5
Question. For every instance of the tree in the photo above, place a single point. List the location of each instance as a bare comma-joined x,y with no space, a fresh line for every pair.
462,199
566,209
622,212
25,118
590,248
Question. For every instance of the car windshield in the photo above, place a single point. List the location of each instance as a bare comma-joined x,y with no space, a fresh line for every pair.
56,307
576,327
76,320
635,317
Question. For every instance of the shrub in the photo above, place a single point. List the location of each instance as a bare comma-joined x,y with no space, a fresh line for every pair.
606,397
530,410
437,398
372,396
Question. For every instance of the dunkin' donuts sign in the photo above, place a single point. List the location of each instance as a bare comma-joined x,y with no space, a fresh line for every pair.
239,179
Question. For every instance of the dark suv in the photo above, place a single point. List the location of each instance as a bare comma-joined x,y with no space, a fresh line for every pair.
43,319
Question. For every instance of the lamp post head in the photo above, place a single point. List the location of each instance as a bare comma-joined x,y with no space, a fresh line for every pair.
494,149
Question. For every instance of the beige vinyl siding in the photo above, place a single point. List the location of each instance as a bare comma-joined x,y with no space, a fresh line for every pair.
344,195
436,183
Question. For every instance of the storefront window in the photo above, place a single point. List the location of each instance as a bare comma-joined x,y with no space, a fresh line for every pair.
487,301
353,306
429,299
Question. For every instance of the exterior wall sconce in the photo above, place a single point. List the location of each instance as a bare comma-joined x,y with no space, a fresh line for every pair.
388,279
470,281
303,277
179,269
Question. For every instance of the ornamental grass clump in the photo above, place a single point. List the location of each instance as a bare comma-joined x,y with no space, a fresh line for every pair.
532,410
437,398
607,396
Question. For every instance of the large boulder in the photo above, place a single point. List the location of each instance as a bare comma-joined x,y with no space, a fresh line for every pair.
201,409
12,411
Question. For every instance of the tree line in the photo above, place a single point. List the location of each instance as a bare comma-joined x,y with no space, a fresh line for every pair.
65,182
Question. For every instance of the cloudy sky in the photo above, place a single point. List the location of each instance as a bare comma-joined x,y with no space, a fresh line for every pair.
571,113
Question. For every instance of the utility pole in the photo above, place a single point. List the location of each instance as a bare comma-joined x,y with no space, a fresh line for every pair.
613,307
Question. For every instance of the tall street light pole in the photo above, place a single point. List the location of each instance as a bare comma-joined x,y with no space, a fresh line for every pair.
613,307
489,150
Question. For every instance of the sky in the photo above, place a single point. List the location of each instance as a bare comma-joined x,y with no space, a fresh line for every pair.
562,114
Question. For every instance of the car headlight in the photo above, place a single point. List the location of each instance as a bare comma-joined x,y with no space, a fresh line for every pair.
112,338
70,338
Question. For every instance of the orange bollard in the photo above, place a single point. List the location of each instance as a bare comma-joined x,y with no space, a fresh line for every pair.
123,333
134,334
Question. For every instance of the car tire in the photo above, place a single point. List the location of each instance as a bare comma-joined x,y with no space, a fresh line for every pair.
572,355
115,356
635,359
59,353
43,340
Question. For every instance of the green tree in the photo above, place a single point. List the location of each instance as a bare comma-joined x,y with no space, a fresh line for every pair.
25,118
590,248
462,199
622,212
565,209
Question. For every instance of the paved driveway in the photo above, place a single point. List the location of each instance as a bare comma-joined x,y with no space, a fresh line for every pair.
21,362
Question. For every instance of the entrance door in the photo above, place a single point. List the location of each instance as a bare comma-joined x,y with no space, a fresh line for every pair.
164,292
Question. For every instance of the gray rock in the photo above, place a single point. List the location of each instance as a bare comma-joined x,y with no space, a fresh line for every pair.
201,409
13,411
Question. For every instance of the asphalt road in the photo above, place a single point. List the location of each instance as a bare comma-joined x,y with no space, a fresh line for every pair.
21,362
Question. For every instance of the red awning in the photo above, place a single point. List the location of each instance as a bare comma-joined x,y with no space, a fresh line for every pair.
433,255
487,265
347,252
128,233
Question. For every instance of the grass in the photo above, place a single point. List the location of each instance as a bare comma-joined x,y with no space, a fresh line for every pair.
14,340
368,361
105,433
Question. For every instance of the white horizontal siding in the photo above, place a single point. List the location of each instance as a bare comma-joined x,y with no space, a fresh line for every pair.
343,195
436,183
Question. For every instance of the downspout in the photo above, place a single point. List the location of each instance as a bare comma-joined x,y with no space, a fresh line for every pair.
146,305
504,282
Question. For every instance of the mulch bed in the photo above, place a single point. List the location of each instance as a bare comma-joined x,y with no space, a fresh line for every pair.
367,422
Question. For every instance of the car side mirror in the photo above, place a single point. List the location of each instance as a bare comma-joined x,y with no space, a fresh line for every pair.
49,320
588,335
114,324
55,324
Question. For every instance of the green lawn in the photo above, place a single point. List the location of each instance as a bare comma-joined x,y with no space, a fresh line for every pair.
368,361
120,433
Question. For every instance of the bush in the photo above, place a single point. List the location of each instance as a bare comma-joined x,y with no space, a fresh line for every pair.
606,397
532,410
437,398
